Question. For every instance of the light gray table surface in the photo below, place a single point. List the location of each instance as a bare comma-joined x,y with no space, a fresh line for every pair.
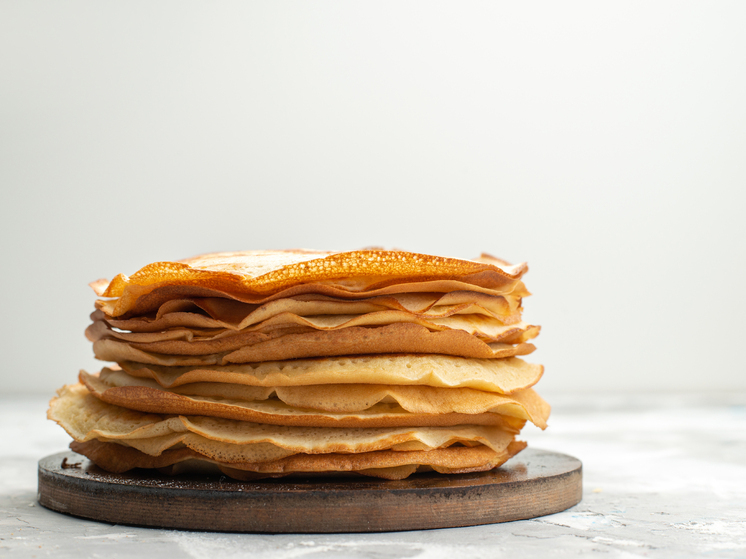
664,476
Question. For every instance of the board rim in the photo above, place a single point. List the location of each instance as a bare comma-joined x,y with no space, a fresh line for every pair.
534,483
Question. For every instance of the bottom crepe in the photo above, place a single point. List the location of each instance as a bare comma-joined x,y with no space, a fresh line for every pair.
118,439
387,464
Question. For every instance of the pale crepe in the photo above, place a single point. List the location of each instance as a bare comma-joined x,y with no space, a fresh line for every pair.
503,376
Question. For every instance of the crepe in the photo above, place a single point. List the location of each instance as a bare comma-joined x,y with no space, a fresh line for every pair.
219,312
503,376
360,405
261,276
260,447
391,465
486,329
270,363
290,344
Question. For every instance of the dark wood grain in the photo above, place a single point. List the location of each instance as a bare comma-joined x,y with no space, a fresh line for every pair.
534,483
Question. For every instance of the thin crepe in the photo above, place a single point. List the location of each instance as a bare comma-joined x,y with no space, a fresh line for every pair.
391,465
347,405
289,343
260,276
219,312
215,340
503,376
85,418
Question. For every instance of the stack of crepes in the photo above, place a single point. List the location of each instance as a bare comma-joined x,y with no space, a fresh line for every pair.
268,363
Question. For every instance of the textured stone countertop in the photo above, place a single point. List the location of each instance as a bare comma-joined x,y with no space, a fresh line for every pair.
663,476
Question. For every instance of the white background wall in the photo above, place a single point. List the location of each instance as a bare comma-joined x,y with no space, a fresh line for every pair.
604,143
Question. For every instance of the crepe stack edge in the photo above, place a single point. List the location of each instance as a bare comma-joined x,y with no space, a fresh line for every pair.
460,416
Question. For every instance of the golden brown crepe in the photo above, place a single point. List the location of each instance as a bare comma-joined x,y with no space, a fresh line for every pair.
261,276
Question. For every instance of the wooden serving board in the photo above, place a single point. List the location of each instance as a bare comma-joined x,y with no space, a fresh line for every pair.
534,483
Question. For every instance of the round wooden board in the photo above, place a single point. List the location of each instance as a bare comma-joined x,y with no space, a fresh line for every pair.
534,483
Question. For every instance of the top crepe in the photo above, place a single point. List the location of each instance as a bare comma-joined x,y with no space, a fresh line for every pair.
259,276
